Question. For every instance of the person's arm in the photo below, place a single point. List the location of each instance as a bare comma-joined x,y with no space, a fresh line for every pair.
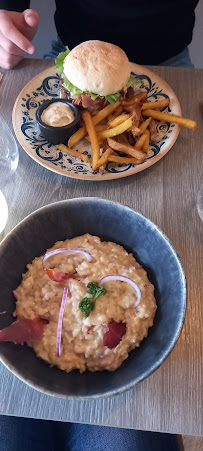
17,29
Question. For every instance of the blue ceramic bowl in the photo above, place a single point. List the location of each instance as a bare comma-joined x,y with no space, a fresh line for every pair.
110,221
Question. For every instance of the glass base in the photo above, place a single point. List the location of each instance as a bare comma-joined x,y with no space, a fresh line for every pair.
8,153
3,214
200,202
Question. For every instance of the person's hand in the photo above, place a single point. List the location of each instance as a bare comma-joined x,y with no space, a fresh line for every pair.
16,33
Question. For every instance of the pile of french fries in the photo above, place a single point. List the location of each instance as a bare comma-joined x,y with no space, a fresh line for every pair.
108,140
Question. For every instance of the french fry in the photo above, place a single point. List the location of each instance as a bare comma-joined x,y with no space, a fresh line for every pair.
87,118
141,140
143,127
73,152
100,141
123,160
140,96
104,158
118,120
171,118
118,111
156,105
102,114
116,130
77,136
126,148
100,128
145,147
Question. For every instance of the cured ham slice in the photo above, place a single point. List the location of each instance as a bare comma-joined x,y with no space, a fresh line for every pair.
86,102
23,330
114,334
59,276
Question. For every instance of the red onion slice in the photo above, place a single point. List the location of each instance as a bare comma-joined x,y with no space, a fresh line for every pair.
124,279
60,321
59,276
72,250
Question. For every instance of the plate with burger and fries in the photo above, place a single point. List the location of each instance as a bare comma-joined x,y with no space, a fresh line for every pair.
130,117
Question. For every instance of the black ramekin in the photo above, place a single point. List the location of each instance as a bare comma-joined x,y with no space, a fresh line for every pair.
58,135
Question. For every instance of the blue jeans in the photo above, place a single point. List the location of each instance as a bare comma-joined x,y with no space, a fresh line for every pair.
180,60
25,434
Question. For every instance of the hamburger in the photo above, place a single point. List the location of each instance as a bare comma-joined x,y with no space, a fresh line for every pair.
94,74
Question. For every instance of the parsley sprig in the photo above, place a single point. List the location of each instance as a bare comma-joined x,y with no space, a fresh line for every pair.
87,304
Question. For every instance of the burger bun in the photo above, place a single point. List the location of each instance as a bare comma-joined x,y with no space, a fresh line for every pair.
97,67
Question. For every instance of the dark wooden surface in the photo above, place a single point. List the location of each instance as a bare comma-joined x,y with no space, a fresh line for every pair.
171,399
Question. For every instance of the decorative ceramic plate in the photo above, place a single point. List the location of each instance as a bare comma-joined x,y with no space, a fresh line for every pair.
45,86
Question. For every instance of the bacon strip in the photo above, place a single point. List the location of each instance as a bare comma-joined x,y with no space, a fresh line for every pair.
23,330
126,148
86,101
134,106
114,334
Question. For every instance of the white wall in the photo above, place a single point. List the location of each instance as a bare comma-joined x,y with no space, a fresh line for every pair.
47,31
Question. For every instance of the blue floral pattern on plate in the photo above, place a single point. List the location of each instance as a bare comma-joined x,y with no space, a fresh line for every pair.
64,163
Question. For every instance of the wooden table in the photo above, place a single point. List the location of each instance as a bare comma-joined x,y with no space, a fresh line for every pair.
170,399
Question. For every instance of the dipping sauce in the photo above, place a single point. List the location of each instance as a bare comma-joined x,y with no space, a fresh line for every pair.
57,114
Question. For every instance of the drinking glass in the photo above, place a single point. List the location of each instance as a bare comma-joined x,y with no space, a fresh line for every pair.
3,214
8,153
8,163
200,202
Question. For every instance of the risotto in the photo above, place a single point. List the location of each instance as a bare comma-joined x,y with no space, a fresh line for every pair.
90,321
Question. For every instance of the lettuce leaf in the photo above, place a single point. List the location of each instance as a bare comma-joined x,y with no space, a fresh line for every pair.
74,91
113,97
110,98
71,88
93,96
60,59
133,80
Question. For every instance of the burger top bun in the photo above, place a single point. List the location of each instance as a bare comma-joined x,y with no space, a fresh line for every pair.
97,67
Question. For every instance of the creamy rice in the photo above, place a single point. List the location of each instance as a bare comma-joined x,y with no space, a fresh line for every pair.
82,338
